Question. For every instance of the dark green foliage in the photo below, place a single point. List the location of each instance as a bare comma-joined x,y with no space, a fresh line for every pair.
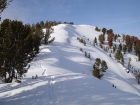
85,54
49,30
96,73
95,41
81,49
97,29
129,48
19,44
99,67
122,61
104,66
104,31
129,63
118,56
115,37
3,5
114,49
101,46
84,42
97,63
88,56
124,48
120,47
101,38
109,31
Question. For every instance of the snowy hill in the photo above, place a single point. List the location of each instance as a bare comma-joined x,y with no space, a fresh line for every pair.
65,74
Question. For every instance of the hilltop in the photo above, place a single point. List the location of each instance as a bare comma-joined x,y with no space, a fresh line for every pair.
65,74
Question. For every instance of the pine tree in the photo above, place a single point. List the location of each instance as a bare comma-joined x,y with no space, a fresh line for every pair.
104,31
129,47
84,43
120,47
101,46
118,55
122,61
85,54
129,63
17,49
114,49
97,63
124,48
96,73
104,66
101,38
3,5
95,41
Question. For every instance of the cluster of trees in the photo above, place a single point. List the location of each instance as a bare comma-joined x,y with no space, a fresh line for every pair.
97,29
130,43
81,41
99,67
19,44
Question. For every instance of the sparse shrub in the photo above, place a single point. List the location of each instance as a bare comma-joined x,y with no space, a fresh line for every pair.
81,49
85,54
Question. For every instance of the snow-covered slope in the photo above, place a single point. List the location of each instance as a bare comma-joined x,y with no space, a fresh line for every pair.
65,75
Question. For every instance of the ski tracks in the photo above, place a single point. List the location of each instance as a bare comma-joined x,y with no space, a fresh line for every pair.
52,96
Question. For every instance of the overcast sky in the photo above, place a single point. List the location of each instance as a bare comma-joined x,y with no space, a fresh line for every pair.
123,16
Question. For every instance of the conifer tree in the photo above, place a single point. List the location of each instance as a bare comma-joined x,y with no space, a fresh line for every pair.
120,47
129,48
122,61
118,56
3,5
101,38
95,41
124,48
85,54
129,62
17,49
104,66
104,31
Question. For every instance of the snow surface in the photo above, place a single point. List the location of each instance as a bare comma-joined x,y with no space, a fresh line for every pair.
65,75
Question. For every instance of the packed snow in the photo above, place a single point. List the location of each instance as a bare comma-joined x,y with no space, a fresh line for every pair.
65,74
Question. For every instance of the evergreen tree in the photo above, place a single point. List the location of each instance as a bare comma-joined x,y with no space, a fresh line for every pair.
124,48
101,38
120,47
97,63
96,73
49,30
17,49
3,5
101,46
95,41
104,31
129,63
122,61
114,49
85,54
104,66
118,56
84,43
129,48
89,55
